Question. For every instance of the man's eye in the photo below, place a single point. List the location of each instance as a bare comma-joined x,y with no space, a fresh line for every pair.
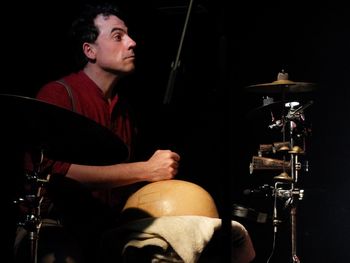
118,37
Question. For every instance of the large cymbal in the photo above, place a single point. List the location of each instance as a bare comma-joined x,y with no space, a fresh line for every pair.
282,85
29,124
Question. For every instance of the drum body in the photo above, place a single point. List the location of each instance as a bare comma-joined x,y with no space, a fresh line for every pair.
171,198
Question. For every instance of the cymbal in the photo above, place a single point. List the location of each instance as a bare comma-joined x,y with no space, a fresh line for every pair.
282,85
63,135
277,107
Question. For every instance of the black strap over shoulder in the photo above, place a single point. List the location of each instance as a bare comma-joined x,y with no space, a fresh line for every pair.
69,91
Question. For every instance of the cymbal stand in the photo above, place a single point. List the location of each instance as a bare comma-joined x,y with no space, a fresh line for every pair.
291,195
296,194
285,185
32,201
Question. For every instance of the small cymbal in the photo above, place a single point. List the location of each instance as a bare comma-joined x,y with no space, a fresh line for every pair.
282,85
283,177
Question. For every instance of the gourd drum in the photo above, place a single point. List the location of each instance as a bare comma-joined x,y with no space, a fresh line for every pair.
172,198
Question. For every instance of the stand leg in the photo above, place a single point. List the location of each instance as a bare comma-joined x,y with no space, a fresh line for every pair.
33,238
293,212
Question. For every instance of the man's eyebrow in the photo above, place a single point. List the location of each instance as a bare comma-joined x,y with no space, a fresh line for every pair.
118,29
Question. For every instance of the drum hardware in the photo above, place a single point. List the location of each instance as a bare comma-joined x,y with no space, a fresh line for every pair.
289,118
296,167
36,126
273,148
267,100
287,194
293,113
276,124
299,112
281,146
291,196
32,203
266,148
250,214
284,191
296,150
265,190
264,163
283,177
270,164
285,148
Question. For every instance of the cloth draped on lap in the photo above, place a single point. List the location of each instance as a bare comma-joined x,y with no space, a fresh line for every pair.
177,238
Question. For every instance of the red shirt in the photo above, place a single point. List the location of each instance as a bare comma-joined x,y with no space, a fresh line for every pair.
90,102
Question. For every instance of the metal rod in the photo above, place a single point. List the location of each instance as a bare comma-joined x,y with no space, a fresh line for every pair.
175,65
293,212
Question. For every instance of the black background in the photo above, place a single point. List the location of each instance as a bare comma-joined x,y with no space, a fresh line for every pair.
226,48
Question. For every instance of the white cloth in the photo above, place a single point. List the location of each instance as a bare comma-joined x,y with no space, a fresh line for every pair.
187,236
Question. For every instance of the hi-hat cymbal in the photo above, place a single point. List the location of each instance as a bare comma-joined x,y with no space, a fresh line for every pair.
282,85
277,107
63,135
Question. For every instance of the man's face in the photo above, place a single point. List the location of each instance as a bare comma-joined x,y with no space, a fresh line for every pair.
114,48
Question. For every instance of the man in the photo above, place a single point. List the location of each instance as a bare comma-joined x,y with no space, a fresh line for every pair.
81,194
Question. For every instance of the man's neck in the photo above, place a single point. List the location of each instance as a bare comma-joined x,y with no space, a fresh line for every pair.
106,81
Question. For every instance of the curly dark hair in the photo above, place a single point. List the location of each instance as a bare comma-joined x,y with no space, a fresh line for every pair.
83,28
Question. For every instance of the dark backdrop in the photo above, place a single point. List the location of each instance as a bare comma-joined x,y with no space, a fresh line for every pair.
225,50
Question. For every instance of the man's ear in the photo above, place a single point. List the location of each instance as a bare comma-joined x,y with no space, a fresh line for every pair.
89,51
